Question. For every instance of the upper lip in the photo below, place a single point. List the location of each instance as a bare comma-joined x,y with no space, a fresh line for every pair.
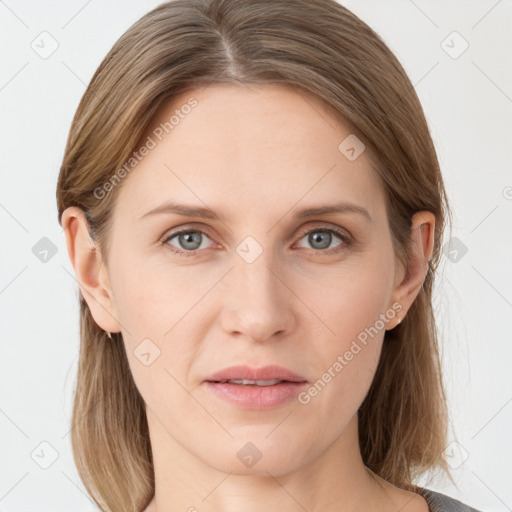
251,373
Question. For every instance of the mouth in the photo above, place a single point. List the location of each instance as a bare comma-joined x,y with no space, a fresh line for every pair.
255,388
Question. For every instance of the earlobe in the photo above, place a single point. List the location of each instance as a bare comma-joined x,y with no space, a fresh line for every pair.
420,252
89,269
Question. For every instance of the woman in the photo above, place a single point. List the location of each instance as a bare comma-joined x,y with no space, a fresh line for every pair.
254,211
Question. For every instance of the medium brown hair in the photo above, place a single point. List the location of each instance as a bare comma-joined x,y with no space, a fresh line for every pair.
323,49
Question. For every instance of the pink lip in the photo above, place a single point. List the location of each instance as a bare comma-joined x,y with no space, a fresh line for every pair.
253,396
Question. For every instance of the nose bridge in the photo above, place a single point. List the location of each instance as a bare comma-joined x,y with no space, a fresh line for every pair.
258,304
257,278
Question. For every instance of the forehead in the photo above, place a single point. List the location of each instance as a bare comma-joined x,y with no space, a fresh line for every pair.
260,149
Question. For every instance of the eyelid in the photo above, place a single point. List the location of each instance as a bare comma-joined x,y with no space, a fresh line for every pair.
184,228
329,227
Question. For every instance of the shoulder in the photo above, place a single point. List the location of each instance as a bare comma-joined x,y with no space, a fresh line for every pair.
438,502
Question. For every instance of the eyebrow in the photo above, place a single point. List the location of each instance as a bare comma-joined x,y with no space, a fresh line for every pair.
207,213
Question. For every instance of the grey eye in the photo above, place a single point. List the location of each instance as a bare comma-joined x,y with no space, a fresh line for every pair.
321,238
188,240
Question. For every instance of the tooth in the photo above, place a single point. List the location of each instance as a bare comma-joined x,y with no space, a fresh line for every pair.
267,382
247,382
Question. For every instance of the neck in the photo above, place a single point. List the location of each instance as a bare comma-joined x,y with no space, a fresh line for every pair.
336,480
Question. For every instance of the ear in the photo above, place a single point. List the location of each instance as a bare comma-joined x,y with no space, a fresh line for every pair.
90,270
409,280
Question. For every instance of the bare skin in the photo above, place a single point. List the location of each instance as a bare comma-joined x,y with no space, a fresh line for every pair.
254,156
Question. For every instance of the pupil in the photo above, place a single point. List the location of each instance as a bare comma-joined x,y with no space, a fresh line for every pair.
190,238
317,237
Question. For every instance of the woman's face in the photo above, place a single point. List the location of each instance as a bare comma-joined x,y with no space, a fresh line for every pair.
258,281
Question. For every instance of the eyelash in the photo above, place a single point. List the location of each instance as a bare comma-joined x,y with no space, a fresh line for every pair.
347,241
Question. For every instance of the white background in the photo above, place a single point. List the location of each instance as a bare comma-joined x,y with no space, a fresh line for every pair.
468,103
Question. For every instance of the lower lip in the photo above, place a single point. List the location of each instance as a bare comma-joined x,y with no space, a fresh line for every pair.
256,397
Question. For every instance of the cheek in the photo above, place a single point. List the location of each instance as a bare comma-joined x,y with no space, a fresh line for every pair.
351,305
153,311
350,298
151,297
160,309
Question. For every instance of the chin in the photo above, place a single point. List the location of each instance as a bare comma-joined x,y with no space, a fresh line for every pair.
256,456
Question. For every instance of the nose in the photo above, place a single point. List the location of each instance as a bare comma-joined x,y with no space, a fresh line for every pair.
258,302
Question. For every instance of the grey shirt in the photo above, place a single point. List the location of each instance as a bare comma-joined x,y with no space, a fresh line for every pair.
438,502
